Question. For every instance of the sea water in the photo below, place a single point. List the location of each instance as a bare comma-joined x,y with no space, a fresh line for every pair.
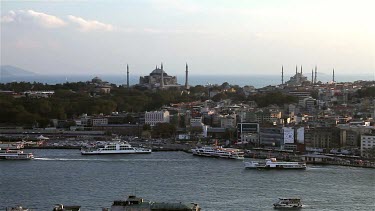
256,80
93,182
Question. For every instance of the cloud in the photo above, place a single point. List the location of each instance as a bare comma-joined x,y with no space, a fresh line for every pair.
90,25
174,31
176,5
32,17
44,20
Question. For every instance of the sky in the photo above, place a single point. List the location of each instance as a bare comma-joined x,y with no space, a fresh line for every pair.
215,37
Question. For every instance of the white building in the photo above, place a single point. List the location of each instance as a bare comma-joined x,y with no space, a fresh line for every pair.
367,142
154,117
195,122
99,121
228,121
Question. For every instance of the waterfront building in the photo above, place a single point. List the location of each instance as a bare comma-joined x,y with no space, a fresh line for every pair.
120,129
271,136
95,121
248,133
367,143
350,135
324,138
154,117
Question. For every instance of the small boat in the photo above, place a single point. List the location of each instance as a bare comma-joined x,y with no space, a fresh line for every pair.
60,207
288,203
15,155
272,163
136,203
17,208
114,148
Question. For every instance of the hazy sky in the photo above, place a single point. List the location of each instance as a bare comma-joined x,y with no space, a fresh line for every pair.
212,36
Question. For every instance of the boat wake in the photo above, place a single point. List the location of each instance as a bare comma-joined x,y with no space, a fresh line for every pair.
113,160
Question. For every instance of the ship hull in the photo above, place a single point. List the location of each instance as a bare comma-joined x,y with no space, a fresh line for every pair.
277,168
15,158
216,156
114,153
273,164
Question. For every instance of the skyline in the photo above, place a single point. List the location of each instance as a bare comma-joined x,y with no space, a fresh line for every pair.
213,37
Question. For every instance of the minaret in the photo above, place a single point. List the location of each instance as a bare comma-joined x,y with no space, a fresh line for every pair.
312,76
316,73
162,76
301,69
297,77
282,75
186,77
333,75
127,75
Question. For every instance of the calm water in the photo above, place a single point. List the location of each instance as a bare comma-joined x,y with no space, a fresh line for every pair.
257,81
65,176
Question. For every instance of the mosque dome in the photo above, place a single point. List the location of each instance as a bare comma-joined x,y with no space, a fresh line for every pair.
158,71
96,80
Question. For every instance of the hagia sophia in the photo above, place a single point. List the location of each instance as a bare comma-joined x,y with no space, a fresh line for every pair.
158,78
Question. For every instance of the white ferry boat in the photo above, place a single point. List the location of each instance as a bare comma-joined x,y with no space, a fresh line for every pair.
15,155
114,148
17,208
274,164
220,152
288,203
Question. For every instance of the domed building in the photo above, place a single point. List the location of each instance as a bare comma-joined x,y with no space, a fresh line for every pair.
298,79
158,78
100,85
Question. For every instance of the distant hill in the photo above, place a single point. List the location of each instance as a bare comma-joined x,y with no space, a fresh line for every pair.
11,71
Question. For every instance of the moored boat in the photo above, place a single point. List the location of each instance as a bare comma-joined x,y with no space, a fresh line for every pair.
288,203
114,148
136,203
208,151
272,163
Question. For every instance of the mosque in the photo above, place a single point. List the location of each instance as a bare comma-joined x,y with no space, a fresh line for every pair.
299,79
158,78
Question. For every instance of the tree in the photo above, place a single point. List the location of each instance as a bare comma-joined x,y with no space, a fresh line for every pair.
146,127
195,131
219,97
371,153
163,130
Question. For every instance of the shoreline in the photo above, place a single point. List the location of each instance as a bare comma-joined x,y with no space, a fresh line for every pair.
157,149
154,149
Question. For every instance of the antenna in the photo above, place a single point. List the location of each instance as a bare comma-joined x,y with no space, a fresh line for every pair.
127,75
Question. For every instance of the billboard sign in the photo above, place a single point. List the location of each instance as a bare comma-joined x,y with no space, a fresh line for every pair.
288,135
